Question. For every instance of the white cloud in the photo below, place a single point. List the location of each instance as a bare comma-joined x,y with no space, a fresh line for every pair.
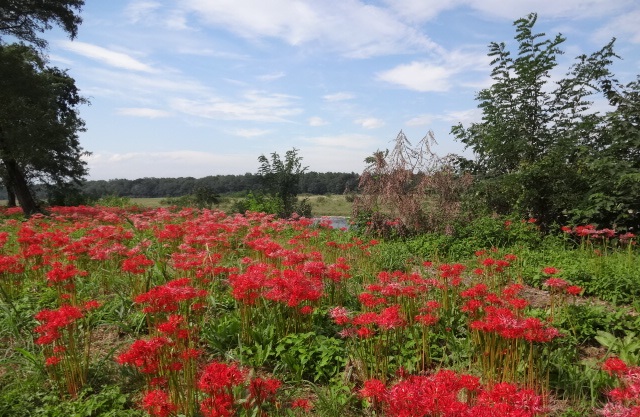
137,11
423,10
180,163
340,96
626,24
438,74
250,133
370,123
419,76
465,117
422,120
350,141
350,27
317,121
567,9
142,112
106,56
271,76
255,106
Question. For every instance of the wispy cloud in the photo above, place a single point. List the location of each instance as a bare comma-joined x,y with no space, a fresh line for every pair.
340,96
351,141
317,121
465,117
254,106
424,10
106,56
626,24
250,133
271,76
350,27
370,123
142,112
137,11
180,163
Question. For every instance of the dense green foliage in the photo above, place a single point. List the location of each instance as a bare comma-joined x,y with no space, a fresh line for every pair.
39,123
541,148
39,118
26,19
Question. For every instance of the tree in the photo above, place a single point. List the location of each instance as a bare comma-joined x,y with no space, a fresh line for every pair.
280,181
538,142
39,123
25,19
39,120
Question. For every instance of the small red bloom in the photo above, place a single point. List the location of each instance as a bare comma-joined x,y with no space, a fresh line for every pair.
157,404
614,365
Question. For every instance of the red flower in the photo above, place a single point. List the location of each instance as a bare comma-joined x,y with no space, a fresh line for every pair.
157,404
374,389
219,406
264,389
218,377
52,360
574,290
556,283
614,366
303,404
550,270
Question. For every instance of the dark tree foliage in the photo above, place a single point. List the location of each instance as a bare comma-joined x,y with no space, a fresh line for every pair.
310,183
541,150
27,19
281,179
39,123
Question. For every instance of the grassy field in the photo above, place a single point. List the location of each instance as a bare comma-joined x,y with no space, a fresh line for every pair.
323,205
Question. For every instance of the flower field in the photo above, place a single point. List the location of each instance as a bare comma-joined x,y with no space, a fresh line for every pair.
160,312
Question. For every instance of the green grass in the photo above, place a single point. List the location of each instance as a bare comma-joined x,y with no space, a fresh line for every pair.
322,205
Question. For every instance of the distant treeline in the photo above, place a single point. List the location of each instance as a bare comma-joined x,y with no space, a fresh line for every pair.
310,182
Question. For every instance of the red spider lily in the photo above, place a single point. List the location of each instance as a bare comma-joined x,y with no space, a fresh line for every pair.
448,394
247,287
614,366
144,354
166,298
505,399
55,320
550,270
136,264
11,264
219,406
625,398
219,377
157,404
374,389
61,273
340,316
293,287
390,318
302,404
556,283
52,360
574,290
262,390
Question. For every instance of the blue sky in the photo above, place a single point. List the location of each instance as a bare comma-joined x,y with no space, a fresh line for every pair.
203,87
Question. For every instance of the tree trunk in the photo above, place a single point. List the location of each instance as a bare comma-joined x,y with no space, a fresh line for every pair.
11,196
20,187
16,181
